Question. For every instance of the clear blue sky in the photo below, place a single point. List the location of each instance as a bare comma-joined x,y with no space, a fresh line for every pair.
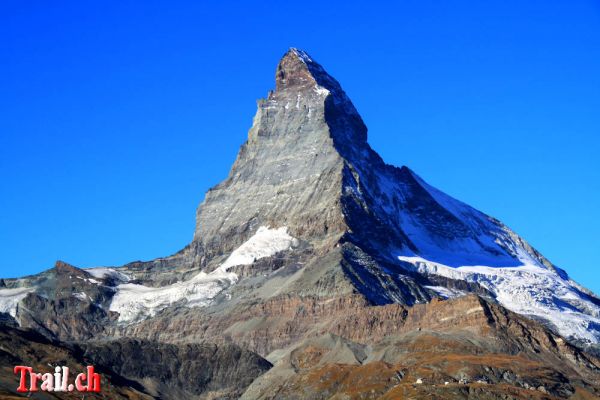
116,117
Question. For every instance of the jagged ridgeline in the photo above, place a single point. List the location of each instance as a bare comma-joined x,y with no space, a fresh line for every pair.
338,274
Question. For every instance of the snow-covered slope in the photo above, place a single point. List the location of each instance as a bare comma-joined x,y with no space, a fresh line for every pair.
133,301
435,234
443,229
452,239
529,290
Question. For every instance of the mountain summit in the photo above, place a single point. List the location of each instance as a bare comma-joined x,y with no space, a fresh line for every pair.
313,242
307,166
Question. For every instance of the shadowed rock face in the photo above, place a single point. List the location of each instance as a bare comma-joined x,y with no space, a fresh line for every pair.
181,371
352,298
29,348
133,369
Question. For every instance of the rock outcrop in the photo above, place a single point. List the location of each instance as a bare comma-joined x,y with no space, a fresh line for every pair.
132,369
29,348
458,349
190,371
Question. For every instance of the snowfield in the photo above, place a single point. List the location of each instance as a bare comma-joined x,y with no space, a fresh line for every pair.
10,298
528,290
134,302
265,243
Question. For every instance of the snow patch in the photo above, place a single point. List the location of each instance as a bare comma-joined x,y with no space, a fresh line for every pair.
103,273
265,243
320,90
446,292
303,56
10,298
134,302
81,296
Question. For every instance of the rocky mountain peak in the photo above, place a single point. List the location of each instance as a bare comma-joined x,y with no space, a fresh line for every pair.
294,71
297,70
63,268
301,79
289,171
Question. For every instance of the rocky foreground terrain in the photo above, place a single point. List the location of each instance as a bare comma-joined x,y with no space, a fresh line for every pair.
316,271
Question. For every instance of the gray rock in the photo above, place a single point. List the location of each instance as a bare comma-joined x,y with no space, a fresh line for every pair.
186,371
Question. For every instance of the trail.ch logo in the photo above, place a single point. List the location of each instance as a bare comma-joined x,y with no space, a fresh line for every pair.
58,381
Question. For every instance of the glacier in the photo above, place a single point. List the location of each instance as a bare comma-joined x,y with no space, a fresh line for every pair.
528,290
134,302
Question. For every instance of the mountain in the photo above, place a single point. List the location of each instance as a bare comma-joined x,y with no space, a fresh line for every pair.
336,268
